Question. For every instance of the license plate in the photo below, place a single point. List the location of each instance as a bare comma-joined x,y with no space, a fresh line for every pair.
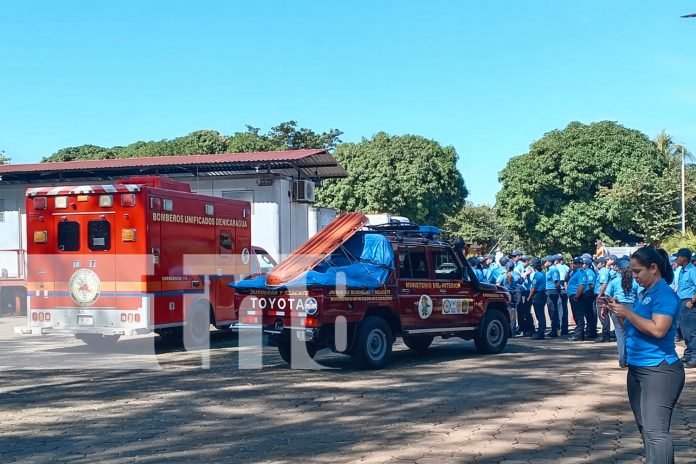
300,335
85,320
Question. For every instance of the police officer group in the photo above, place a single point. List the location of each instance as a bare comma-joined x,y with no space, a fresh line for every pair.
548,287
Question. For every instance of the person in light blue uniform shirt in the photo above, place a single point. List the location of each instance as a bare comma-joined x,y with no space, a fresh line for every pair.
475,264
624,289
655,374
496,270
588,300
577,281
686,291
524,308
563,270
487,265
553,293
599,289
537,294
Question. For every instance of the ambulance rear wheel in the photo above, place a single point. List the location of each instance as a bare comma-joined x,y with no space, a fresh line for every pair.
197,329
373,343
98,340
418,343
285,351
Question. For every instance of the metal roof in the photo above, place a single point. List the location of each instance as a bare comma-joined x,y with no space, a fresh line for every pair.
309,164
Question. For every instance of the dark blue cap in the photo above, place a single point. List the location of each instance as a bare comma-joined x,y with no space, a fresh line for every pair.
516,253
623,263
524,258
685,252
587,261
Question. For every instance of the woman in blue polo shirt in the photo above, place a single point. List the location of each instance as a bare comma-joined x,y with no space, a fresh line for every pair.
655,373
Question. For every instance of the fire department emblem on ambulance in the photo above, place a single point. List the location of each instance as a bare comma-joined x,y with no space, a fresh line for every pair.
425,306
84,287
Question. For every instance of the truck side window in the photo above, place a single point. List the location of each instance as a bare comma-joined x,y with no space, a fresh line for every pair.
445,263
99,235
413,263
68,236
225,242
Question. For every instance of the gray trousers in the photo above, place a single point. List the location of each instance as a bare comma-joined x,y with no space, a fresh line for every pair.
653,392
687,323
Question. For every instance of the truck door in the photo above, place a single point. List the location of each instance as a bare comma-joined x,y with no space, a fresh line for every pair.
414,287
160,308
225,266
452,299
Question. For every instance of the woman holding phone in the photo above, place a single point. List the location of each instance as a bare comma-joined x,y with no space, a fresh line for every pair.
655,374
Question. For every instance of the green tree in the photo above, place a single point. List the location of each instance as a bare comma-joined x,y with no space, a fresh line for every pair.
284,136
4,159
407,175
478,224
585,182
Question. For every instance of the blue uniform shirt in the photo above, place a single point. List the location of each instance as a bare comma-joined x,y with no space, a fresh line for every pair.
539,282
526,283
519,267
615,289
563,270
496,270
479,274
577,277
509,286
591,277
687,282
602,278
642,349
552,276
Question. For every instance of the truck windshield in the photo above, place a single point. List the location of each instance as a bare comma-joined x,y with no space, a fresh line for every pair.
68,236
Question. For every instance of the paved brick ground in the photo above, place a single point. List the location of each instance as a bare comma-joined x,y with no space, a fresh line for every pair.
550,401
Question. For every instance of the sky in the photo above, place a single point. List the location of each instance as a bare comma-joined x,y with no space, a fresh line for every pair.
488,78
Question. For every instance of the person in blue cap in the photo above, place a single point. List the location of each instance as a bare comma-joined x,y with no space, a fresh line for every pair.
577,281
497,269
553,293
588,298
475,264
537,294
686,291
486,264
510,281
563,270
524,308
599,289
515,256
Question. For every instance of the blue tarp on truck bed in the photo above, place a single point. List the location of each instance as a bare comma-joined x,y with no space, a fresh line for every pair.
375,259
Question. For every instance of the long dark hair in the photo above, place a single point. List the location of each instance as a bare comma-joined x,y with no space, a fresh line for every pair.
647,256
627,281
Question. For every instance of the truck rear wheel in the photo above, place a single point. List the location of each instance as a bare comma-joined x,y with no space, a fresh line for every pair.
373,343
285,351
492,335
418,343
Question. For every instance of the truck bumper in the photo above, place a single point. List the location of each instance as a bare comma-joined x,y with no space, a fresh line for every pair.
298,333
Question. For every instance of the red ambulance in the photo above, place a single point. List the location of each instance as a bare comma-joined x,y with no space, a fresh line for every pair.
142,254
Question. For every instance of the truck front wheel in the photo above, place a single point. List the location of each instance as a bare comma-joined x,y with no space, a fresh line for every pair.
373,343
492,334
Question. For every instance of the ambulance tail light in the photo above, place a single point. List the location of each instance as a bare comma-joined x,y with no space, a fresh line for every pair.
61,202
123,317
106,201
40,236
128,200
34,317
137,318
47,318
311,322
128,235
40,203
41,317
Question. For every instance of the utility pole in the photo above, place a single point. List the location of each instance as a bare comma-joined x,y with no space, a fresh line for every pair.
683,199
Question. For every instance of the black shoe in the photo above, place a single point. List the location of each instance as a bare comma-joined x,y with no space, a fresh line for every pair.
623,365
552,334
576,338
602,340
538,336
528,333
684,359
564,332
690,364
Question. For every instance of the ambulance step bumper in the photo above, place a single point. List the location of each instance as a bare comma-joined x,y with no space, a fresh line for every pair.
30,330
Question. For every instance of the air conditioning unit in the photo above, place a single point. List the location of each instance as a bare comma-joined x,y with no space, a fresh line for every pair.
303,191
